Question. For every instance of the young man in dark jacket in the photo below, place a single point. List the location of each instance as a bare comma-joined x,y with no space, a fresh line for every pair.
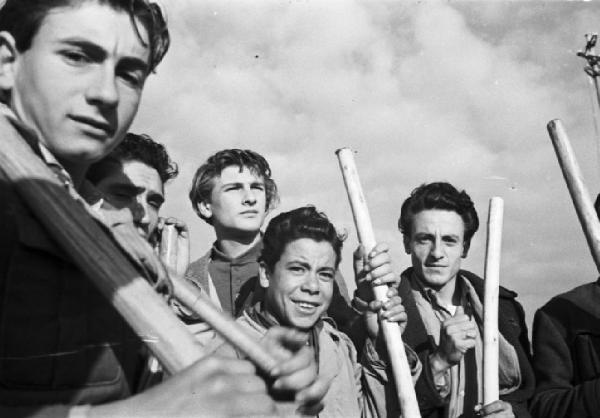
444,310
566,353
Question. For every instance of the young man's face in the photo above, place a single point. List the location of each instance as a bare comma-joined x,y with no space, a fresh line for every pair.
138,187
79,84
237,202
300,286
436,246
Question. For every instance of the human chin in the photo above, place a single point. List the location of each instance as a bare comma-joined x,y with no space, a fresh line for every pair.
302,317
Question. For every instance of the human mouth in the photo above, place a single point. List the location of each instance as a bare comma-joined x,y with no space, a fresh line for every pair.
307,307
250,212
93,126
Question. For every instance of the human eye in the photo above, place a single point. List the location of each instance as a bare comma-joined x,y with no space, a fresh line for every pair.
258,186
296,268
450,241
76,56
327,276
134,78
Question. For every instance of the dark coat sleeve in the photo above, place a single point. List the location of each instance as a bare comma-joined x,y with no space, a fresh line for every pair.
556,394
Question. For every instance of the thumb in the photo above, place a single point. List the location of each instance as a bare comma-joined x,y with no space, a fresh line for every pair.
459,311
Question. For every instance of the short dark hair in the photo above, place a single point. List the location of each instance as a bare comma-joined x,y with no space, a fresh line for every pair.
443,196
136,148
23,18
202,183
304,222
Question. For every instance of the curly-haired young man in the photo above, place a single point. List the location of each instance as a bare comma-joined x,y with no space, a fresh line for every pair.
444,310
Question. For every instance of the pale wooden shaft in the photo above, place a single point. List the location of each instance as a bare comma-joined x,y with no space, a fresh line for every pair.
576,185
490,300
391,331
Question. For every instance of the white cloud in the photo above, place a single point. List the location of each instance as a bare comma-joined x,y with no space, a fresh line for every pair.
423,92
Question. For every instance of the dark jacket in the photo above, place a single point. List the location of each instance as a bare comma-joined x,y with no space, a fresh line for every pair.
566,346
61,341
511,324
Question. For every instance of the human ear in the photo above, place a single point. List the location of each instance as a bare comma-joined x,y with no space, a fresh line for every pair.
466,246
263,275
8,55
406,240
205,209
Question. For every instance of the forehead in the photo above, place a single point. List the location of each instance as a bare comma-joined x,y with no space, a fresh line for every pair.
445,222
320,253
233,174
132,172
97,23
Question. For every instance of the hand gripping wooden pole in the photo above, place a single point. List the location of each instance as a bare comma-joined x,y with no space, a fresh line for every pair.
197,302
579,193
490,301
391,331
95,254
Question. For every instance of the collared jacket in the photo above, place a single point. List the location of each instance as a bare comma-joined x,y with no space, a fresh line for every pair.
566,348
511,324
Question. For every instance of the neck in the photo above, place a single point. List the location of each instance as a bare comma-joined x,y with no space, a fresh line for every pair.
448,293
76,171
235,245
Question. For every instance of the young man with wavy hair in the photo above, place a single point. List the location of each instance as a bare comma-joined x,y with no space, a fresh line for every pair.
444,310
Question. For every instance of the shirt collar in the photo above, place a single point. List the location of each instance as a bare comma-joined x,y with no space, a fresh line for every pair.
251,255
431,296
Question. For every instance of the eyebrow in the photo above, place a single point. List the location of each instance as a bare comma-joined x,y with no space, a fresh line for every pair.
98,53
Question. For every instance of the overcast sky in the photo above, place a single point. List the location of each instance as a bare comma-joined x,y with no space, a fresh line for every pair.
422,91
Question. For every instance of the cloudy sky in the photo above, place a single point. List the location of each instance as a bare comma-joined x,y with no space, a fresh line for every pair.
422,91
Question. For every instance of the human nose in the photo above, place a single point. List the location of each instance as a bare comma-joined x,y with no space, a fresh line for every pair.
311,283
140,212
103,87
249,196
437,250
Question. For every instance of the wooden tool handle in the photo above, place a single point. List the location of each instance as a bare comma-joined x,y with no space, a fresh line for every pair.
490,301
579,192
391,331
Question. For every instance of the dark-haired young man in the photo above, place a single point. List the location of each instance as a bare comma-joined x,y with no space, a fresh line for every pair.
233,191
71,78
133,176
301,254
444,310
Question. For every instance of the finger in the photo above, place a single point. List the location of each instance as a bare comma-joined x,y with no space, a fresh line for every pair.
287,337
392,292
393,302
496,406
379,248
395,317
375,306
315,392
300,366
359,253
